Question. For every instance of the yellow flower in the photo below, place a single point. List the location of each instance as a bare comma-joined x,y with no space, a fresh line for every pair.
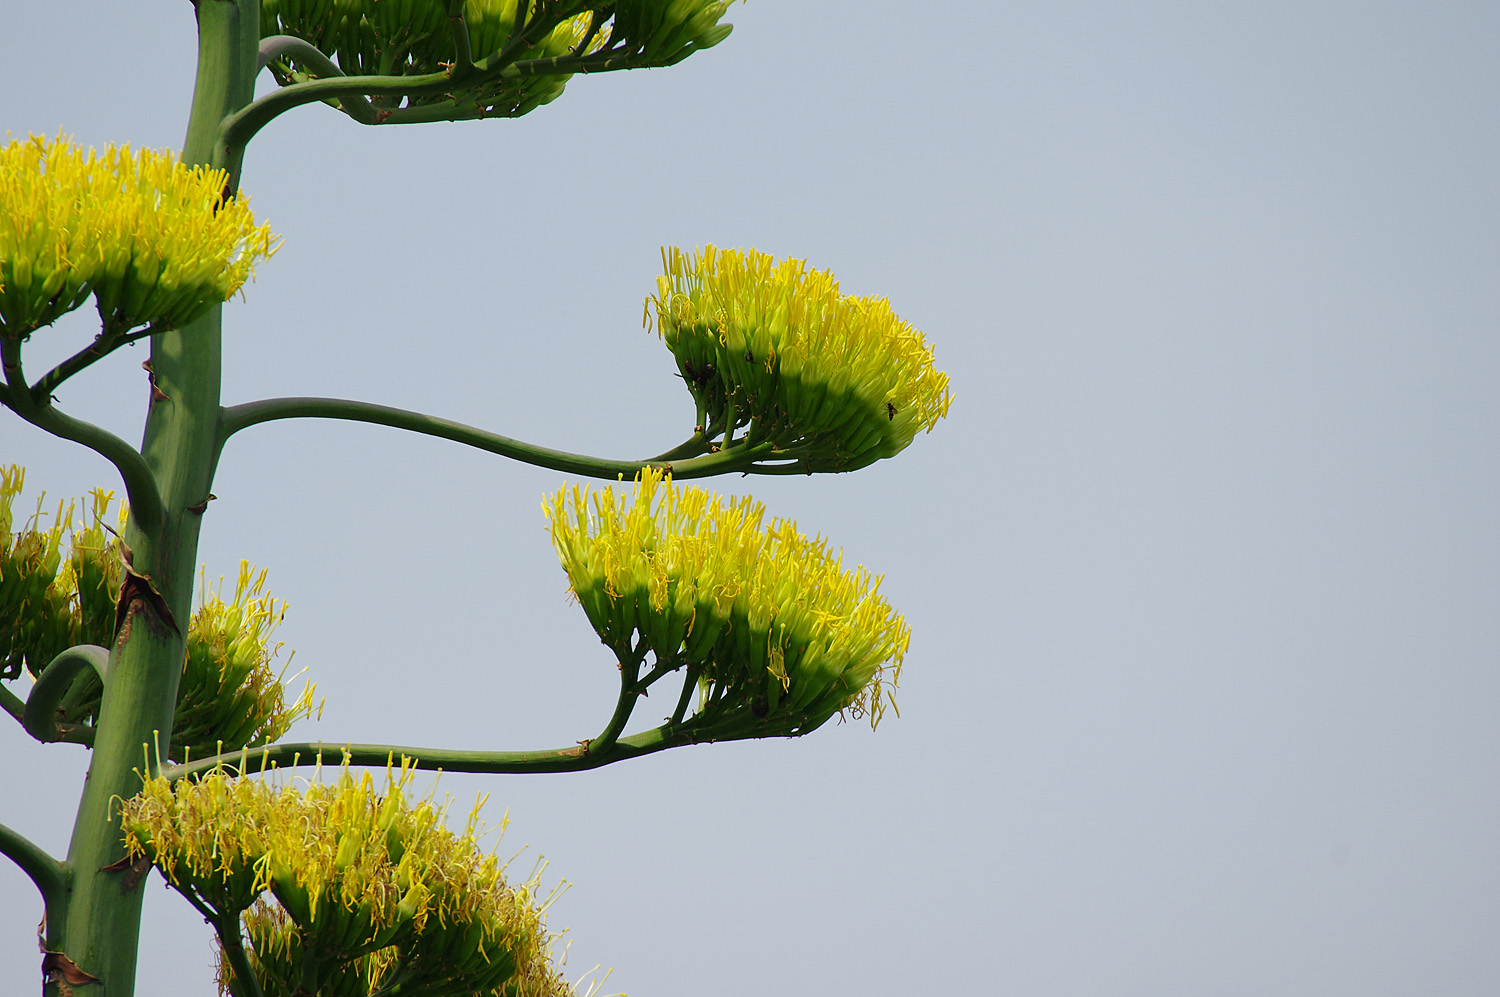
769,619
229,696
837,380
366,883
154,241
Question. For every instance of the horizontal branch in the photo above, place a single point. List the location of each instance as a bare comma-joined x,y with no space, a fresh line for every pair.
238,417
572,759
723,722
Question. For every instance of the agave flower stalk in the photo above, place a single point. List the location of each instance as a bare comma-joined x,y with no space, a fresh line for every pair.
342,889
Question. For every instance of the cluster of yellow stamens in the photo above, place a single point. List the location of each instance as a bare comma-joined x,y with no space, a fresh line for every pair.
839,380
762,612
365,882
154,241
59,586
230,696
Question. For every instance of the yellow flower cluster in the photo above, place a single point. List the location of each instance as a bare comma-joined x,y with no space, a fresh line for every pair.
767,617
154,241
367,884
836,379
229,696
56,594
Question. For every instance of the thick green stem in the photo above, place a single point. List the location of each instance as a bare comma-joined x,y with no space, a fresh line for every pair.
179,448
244,983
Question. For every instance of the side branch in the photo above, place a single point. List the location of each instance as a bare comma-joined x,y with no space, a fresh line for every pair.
140,484
49,875
308,54
41,714
571,759
237,129
103,345
238,417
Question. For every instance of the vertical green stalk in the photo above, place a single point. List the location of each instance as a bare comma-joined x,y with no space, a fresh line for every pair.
135,719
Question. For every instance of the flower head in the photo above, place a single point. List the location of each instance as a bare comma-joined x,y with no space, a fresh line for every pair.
366,883
155,242
769,619
59,587
229,696
839,380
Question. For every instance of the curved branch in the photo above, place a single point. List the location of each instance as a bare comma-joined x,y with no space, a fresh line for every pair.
103,345
237,129
630,693
308,54
40,718
240,127
238,417
49,875
140,484
463,53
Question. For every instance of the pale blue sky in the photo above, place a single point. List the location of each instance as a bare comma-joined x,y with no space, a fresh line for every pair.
1203,568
